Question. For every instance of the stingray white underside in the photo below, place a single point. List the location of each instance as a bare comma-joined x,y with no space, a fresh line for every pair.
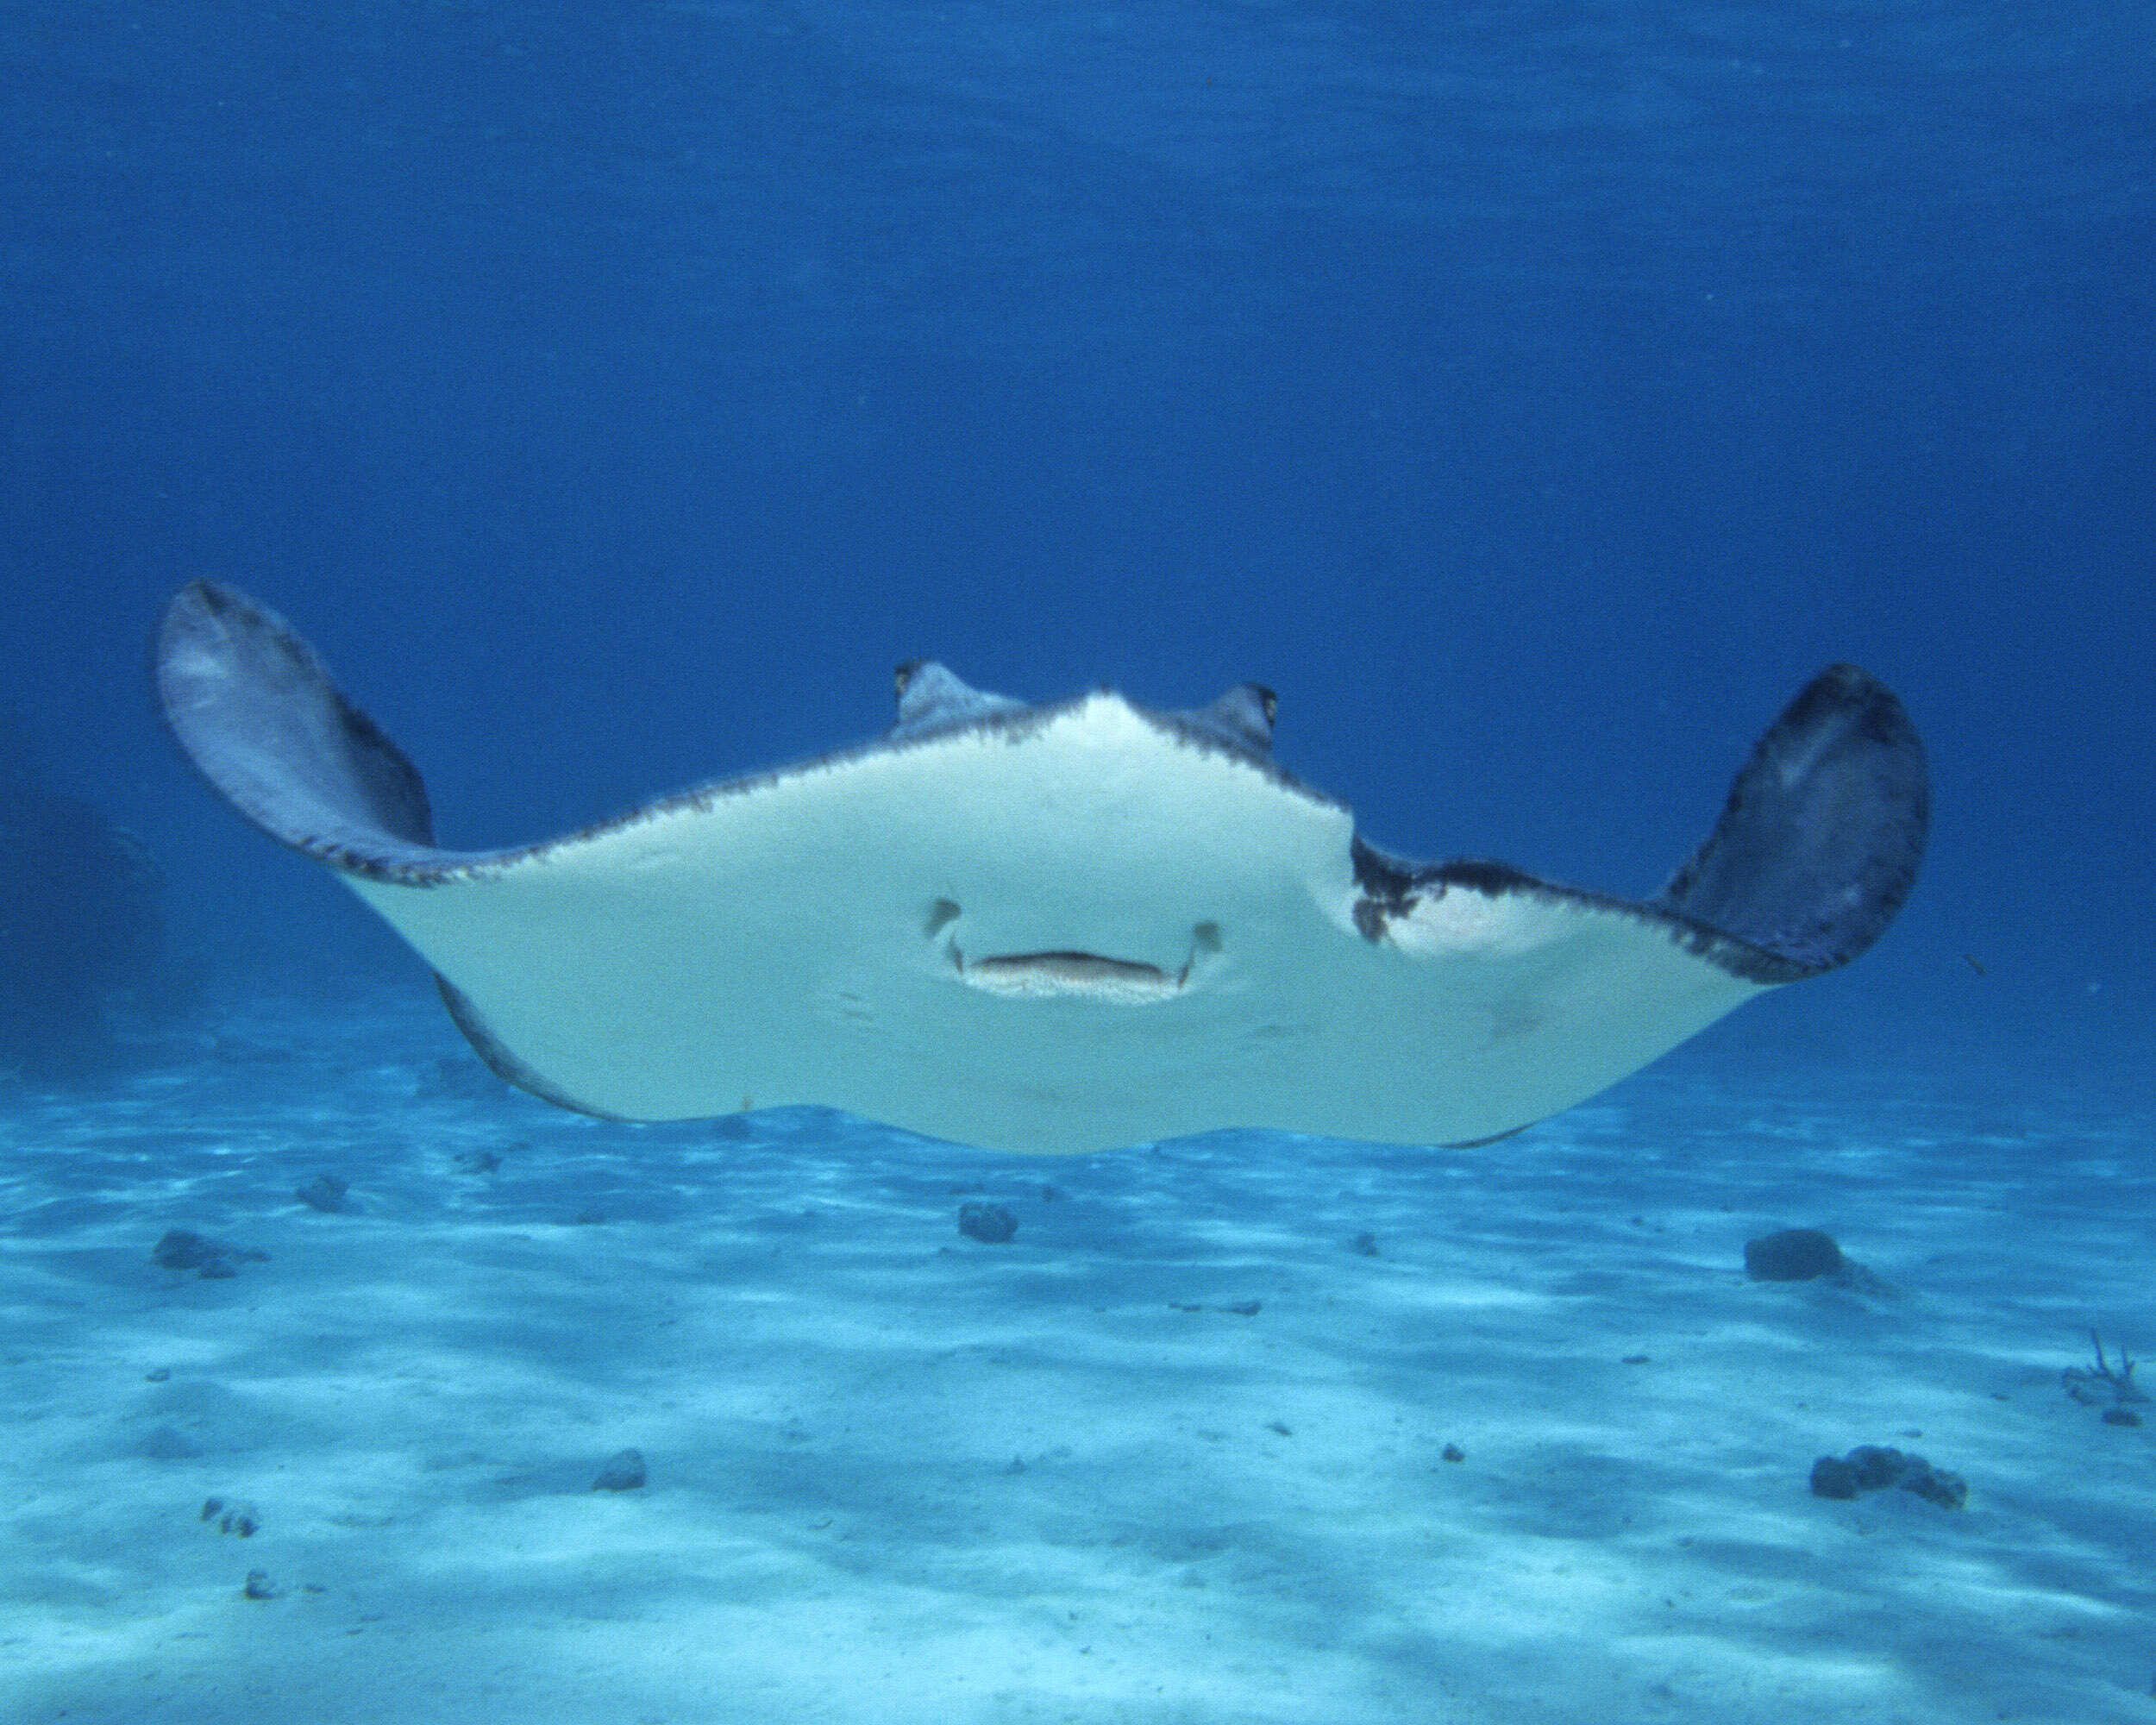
1070,935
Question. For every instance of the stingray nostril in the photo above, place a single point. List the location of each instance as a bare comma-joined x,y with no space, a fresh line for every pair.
1205,937
941,915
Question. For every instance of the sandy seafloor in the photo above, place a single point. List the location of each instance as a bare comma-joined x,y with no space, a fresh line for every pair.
895,1475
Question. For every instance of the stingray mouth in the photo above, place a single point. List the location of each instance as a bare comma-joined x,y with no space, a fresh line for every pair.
1034,976
1066,972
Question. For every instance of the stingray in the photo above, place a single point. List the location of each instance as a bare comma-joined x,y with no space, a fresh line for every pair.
1057,928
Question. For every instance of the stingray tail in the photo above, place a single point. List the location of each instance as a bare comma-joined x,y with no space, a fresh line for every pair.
1819,844
254,708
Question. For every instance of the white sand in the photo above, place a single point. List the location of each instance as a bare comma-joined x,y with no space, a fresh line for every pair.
898,1476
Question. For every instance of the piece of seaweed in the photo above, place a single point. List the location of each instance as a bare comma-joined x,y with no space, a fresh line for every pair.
2106,1382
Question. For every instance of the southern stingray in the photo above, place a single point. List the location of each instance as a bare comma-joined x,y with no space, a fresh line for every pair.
1057,928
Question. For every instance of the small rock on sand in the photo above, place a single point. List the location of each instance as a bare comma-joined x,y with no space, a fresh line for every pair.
624,1471
182,1249
325,1193
1793,1255
990,1224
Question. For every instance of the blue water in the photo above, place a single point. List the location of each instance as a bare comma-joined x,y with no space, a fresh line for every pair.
1533,394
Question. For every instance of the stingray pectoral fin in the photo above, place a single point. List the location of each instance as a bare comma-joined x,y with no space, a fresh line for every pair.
1819,843
1816,851
1539,995
255,711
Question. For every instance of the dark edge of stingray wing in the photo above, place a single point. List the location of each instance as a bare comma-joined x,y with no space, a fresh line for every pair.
1819,844
256,713
498,1060
252,705
1815,852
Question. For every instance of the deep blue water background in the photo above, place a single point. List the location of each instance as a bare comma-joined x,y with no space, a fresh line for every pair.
1533,394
